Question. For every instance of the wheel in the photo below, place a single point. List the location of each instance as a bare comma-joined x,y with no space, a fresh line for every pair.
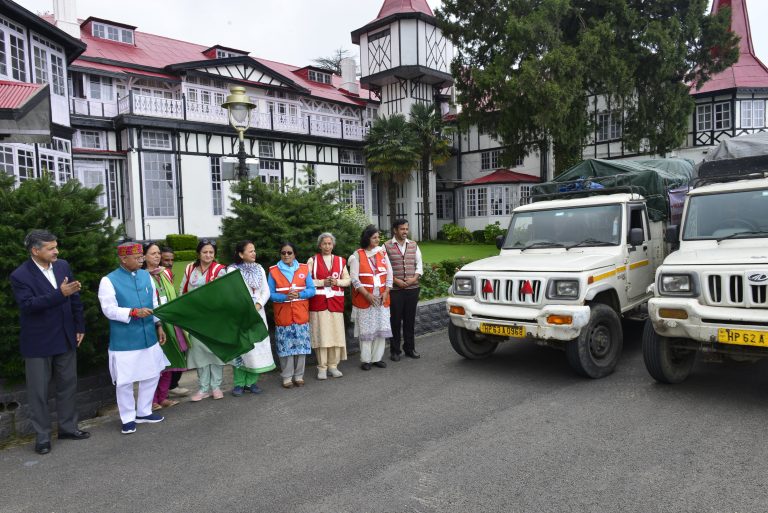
596,351
467,345
665,364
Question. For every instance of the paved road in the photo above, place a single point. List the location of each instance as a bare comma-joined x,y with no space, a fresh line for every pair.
516,433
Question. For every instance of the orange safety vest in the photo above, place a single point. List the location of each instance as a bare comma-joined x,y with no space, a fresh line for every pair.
366,275
292,311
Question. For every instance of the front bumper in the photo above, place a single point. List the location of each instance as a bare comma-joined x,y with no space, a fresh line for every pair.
533,319
703,321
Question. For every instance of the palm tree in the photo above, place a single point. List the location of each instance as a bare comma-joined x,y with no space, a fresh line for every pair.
434,149
391,154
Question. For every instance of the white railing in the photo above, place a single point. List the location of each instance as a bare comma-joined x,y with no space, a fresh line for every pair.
95,108
143,105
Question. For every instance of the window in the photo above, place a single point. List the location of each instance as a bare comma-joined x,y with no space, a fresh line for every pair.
752,113
12,53
351,157
317,76
55,159
156,140
355,177
100,88
609,126
703,117
471,202
159,185
269,171
519,162
218,208
722,116
18,69
374,198
48,62
223,54
482,201
266,149
92,139
444,205
525,194
489,160
41,65
497,201
311,175
17,162
113,206
103,31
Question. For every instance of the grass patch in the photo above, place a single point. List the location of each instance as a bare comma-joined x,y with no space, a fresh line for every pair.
433,252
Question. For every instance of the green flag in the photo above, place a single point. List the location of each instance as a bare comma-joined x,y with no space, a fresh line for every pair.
220,314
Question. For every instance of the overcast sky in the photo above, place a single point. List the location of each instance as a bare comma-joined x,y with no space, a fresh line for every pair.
290,31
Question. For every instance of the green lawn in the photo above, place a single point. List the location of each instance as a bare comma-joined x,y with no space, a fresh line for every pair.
433,252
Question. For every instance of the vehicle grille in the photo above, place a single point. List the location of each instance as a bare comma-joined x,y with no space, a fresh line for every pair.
512,291
734,290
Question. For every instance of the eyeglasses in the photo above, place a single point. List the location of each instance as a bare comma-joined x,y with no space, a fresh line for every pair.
286,252
206,241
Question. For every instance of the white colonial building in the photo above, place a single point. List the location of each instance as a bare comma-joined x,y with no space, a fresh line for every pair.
140,114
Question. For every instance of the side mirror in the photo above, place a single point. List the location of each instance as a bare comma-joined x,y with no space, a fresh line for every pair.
636,236
499,241
672,234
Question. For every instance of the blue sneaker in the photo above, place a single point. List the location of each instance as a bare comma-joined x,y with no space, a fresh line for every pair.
254,389
128,428
150,419
237,391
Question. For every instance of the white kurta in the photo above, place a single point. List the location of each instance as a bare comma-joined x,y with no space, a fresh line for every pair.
130,366
258,359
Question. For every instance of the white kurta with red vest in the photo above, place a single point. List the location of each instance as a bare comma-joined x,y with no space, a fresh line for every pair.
327,327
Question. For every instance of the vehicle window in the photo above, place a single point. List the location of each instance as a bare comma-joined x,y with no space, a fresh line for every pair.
566,226
715,216
636,220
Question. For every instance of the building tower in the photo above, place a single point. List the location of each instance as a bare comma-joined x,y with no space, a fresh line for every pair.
405,59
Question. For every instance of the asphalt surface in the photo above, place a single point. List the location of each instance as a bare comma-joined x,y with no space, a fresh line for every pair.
518,432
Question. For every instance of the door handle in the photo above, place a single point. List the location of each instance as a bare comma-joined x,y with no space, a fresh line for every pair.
645,248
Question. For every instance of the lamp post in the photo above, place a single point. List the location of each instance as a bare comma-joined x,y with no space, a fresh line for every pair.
239,107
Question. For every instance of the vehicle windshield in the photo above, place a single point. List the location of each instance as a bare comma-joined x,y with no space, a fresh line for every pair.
731,215
580,226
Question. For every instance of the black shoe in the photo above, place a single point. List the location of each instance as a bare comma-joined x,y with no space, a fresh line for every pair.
76,435
43,448
413,354
394,357
380,364
366,366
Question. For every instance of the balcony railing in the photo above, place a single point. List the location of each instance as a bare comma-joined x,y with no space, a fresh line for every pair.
168,108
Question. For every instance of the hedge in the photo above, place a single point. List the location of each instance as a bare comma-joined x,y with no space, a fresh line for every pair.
181,242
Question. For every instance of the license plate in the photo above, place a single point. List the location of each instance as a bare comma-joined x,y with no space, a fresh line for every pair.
742,337
503,331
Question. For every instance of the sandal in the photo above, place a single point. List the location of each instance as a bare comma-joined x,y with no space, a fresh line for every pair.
156,406
168,403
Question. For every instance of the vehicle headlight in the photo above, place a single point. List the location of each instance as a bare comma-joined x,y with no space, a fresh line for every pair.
677,284
464,286
563,289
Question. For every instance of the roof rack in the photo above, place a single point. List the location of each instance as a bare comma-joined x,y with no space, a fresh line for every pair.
584,187
729,170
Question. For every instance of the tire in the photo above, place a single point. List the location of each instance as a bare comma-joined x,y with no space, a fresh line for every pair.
463,342
595,353
664,363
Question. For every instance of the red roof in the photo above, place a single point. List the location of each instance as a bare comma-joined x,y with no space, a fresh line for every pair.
122,69
13,95
504,176
391,7
748,71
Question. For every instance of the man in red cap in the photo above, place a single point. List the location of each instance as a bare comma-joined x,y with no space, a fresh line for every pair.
127,297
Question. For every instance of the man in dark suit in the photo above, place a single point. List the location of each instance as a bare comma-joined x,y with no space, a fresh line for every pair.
52,327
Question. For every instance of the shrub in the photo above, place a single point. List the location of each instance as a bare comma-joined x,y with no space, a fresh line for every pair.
434,283
455,233
181,242
185,255
492,231
478,236
450,267
87,241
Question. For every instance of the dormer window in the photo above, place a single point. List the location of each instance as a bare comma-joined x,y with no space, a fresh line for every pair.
119,34
319,76
223,54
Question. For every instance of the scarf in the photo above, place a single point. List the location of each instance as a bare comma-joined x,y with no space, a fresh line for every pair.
252,274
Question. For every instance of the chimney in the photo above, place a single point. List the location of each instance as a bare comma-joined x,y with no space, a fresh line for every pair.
348,79
65,17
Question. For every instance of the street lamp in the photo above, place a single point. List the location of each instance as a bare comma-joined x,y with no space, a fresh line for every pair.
239,107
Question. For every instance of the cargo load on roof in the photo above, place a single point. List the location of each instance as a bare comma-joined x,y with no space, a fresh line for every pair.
652,178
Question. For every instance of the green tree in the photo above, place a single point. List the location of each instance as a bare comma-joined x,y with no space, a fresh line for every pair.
391,153
268,216
332,63
434,149
87,241
525,68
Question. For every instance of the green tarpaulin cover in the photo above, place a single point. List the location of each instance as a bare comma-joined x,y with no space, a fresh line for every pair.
220,314
653,178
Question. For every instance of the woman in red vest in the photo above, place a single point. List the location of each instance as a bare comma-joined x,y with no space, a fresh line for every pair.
210,369
371,275
291,287
326,309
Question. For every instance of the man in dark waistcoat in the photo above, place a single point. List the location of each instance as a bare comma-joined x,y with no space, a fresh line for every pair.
407,268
